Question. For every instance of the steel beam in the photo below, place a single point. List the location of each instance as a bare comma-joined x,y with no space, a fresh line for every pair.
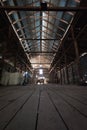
42,52
38,39
30,8
40,63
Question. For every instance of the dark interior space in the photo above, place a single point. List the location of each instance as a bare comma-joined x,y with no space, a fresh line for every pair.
43,65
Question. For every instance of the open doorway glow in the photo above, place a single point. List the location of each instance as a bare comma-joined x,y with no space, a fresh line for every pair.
40,71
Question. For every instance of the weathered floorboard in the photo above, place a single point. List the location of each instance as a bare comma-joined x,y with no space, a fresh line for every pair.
43,107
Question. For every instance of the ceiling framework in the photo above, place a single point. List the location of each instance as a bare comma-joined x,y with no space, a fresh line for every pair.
41,27
11,52
67,49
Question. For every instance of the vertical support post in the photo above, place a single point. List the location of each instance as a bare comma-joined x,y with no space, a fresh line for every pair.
60,75
41,14
73,74
15,62
76,51
64,75
3,55
56,78
66,68
2,63
67,75
53,76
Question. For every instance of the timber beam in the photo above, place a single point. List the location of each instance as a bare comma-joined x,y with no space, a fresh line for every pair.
30,8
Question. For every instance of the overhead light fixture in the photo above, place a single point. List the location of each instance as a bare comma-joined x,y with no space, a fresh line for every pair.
20,39
0,56
40,65
78,1
83,54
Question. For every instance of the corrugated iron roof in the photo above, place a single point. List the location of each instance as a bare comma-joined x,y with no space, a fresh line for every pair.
40,31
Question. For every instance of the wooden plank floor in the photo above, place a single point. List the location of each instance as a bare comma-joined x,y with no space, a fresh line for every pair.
43,107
